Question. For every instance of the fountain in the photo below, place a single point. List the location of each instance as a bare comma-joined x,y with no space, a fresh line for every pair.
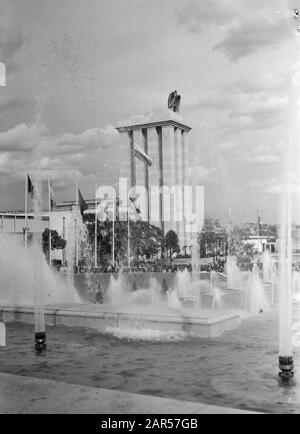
188,287
39,314
285,292
117,293
17,284
267,266
197,301
286,363
233,273
256,297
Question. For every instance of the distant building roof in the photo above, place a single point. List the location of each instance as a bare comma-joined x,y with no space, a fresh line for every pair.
68,204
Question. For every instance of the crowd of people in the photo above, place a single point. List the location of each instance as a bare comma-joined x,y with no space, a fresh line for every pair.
155,267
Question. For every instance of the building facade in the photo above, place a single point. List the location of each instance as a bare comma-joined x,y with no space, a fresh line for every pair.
159,178
61,220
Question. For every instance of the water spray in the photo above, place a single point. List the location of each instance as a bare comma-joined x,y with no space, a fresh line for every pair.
39,313
286,362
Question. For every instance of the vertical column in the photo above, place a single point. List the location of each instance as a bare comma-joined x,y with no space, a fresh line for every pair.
176,183
138,139
179,184
154,175
161,177
132,181
169,177
126,164
185,178
141,168
145,139
183,154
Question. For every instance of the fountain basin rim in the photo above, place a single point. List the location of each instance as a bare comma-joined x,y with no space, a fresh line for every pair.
206,324
201,316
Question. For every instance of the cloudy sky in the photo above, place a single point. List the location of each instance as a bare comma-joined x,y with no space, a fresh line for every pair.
76,68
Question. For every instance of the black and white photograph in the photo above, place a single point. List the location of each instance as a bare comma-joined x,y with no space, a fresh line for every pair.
149,210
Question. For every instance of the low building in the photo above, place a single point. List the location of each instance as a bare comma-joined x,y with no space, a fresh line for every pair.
64,219
261,243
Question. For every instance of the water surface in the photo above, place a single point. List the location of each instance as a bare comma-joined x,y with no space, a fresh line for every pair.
238,369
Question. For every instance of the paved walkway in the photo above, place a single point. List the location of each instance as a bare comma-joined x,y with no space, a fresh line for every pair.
20,394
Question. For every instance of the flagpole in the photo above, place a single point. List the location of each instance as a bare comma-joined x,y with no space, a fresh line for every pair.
64,237
26,207
113,235
76,195
49,204
96,218
128,235
76,234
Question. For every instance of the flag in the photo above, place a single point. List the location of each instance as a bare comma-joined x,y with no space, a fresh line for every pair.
134,211
118,205
82,203
141,155
52,196
30,187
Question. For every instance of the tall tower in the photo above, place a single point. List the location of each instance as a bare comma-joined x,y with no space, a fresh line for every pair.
158,160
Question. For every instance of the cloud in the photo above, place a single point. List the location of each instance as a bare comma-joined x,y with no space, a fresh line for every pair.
268,186
259,104
226,146
21,138
93,138
247,37
197,16
11,43
11,36
14,103
31,147
242,27
240,110
262,155
201,173
258,110
256,160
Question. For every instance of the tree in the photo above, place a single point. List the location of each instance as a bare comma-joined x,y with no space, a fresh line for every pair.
145,239
208,242
234,240
57,242
212,242
105,236
171,242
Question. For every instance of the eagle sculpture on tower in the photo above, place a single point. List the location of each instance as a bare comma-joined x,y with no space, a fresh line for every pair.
174,101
